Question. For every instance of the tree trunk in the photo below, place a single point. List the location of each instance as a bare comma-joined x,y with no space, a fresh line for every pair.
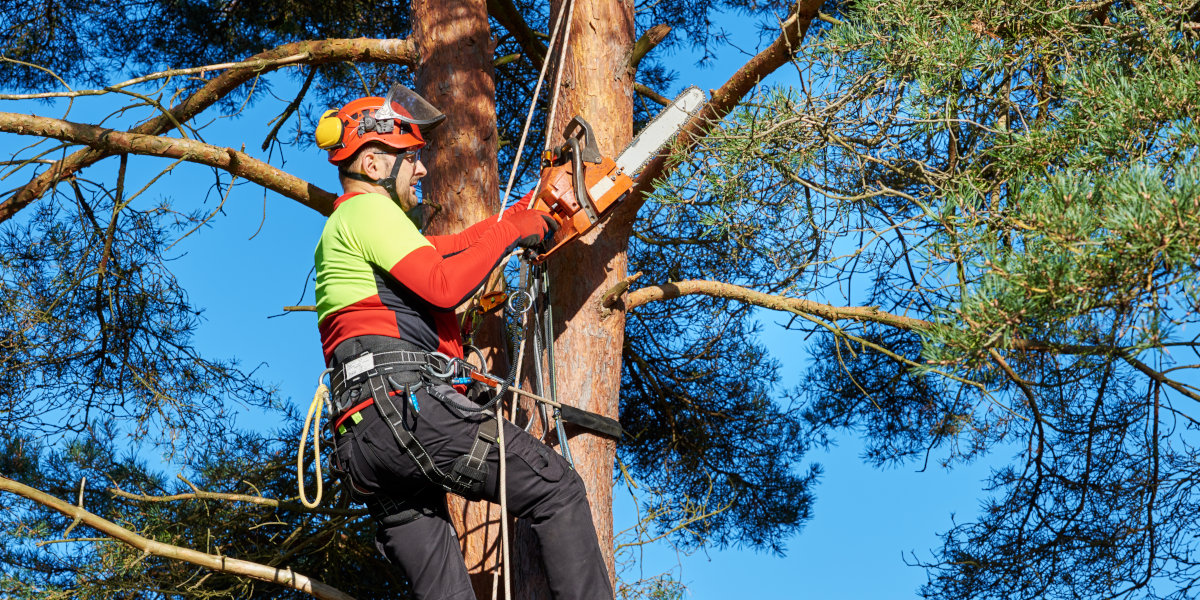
456,76
598,86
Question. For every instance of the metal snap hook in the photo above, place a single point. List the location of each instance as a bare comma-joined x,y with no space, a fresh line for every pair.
433,370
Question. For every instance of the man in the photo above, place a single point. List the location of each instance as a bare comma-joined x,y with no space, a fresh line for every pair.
404,435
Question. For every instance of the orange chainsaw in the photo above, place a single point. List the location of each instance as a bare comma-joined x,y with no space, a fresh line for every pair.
579,186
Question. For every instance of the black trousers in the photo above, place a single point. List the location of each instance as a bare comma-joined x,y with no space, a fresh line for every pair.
541,487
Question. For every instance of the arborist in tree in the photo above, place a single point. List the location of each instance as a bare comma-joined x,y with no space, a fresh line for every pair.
405,433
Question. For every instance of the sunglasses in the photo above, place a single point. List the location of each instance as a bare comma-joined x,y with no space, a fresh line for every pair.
411,156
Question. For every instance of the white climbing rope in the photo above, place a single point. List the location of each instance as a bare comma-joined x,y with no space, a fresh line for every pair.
567,7
565,13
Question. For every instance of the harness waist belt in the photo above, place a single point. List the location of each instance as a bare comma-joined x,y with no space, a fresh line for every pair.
356,371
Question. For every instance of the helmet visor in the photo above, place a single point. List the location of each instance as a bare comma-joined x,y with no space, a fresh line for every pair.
401,100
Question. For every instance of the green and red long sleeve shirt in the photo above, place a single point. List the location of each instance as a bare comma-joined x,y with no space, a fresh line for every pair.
377,275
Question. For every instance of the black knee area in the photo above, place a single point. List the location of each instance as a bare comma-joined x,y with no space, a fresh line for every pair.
389,511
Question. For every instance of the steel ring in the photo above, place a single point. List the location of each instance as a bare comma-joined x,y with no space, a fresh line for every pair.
525,303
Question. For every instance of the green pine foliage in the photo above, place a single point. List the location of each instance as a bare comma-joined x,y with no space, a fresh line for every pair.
1016,186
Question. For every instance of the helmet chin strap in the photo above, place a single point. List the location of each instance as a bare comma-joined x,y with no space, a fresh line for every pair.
388,183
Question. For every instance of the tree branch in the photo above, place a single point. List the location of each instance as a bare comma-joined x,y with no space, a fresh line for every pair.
258,500
718,289
508,16
107,141
1160,378
724,100
646,43
645,91
402,52
871,314
222,564
291,108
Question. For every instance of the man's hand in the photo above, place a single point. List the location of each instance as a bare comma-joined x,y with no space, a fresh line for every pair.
524,203
534,227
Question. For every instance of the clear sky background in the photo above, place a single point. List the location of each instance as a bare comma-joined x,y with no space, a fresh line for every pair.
254,258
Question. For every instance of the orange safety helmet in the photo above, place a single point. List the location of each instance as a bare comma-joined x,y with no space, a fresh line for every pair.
395,121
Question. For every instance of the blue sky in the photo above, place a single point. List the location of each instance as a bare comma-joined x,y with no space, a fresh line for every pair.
255,258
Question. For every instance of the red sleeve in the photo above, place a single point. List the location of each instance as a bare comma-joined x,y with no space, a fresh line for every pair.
447,281
448,245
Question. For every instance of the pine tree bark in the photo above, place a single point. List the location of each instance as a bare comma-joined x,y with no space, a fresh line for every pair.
456,76
598,86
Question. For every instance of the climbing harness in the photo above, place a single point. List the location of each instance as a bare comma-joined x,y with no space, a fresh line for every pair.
387,375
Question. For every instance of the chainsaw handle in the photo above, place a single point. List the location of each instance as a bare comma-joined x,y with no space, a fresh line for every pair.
578,181
590,151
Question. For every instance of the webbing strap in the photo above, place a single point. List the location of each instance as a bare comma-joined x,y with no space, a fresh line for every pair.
354,371
469,472
387,408
473,465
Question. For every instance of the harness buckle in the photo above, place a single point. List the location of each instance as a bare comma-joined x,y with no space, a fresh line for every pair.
447,368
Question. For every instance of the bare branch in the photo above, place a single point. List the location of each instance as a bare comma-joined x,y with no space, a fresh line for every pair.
646,43
1160,378
727,290
509,16
222,564
108,141
613,296
871,314
645,91
291,108
257,500
402,52
262,64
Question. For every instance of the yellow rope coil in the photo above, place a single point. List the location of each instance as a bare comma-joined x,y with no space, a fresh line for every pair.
315,408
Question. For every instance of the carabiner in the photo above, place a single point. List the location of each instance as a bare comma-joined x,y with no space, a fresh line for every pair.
433,372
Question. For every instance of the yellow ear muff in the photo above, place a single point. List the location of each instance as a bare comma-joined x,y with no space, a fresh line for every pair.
329,131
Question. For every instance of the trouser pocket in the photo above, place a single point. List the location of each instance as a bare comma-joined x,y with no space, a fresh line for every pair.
540,458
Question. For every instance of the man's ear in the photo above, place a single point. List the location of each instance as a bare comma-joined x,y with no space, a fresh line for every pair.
367,165
375,162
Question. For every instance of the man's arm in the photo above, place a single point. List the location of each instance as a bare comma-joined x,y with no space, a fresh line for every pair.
390,241
448,245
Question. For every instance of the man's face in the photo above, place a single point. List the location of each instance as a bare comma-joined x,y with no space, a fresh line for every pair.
380,164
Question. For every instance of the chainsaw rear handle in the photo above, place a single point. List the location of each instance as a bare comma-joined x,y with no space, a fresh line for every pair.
589,152
577,171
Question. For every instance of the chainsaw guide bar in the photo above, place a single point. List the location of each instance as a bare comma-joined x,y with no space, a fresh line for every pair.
661,130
